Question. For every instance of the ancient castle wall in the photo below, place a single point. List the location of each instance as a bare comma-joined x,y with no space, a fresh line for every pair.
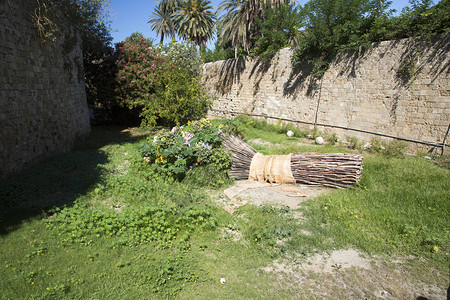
363,90
43,107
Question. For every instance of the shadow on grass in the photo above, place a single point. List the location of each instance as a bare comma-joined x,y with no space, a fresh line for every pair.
57,181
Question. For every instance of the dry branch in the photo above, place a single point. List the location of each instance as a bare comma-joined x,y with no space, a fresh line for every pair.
338,170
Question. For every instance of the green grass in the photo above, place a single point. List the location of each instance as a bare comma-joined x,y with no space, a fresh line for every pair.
400,207
119,232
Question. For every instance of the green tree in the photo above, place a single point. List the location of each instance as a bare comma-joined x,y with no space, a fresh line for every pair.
334,25
89,19
136,37
160,83
195,21
422,19
220,52
162,19
279,27
236,25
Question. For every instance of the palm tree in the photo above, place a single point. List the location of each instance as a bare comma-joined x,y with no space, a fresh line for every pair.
162,19
237,24
195,21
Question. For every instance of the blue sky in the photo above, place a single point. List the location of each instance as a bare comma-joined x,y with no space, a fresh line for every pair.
128,16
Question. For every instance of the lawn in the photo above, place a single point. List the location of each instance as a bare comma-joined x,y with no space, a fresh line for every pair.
97,223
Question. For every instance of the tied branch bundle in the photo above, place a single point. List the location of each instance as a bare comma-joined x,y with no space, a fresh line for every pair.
242,156
337,170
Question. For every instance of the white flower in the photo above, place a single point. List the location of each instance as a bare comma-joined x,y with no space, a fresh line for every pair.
204,145
223,280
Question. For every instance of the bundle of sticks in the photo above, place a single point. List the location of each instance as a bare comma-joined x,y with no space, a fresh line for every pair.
337,170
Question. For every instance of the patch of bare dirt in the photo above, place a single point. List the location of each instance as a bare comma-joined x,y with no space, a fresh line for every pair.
256,193
347,274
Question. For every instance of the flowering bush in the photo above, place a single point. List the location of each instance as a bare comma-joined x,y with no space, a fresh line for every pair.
181,150
139,68
162,87
184,56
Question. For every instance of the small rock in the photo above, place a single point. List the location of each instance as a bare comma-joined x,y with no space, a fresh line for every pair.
289,133
367,145
319,140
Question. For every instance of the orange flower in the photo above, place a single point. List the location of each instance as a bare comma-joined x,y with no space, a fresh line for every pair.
198,159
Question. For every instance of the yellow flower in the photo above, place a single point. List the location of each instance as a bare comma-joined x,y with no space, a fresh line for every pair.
163,139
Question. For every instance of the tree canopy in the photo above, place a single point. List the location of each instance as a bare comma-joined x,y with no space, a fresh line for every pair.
190,19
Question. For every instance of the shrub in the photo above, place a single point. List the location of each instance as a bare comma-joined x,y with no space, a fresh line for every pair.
160,84
396,149
181,99
333,139
354,142
177,152
139,67
230,126
278,26
183,55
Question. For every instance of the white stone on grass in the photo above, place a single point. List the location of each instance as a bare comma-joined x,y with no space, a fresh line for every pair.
319,140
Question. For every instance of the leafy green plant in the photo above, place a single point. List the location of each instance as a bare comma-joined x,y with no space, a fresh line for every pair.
183,55
395,148
377,145
333,139
354,142
219,52
229,126
214,174
278,27
174,153
331,26
315,133
160,84
408,68
135,225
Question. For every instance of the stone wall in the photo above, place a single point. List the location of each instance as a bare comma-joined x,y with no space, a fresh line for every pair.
43,107
360,90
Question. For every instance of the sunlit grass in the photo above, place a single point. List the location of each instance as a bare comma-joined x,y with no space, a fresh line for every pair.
401,207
